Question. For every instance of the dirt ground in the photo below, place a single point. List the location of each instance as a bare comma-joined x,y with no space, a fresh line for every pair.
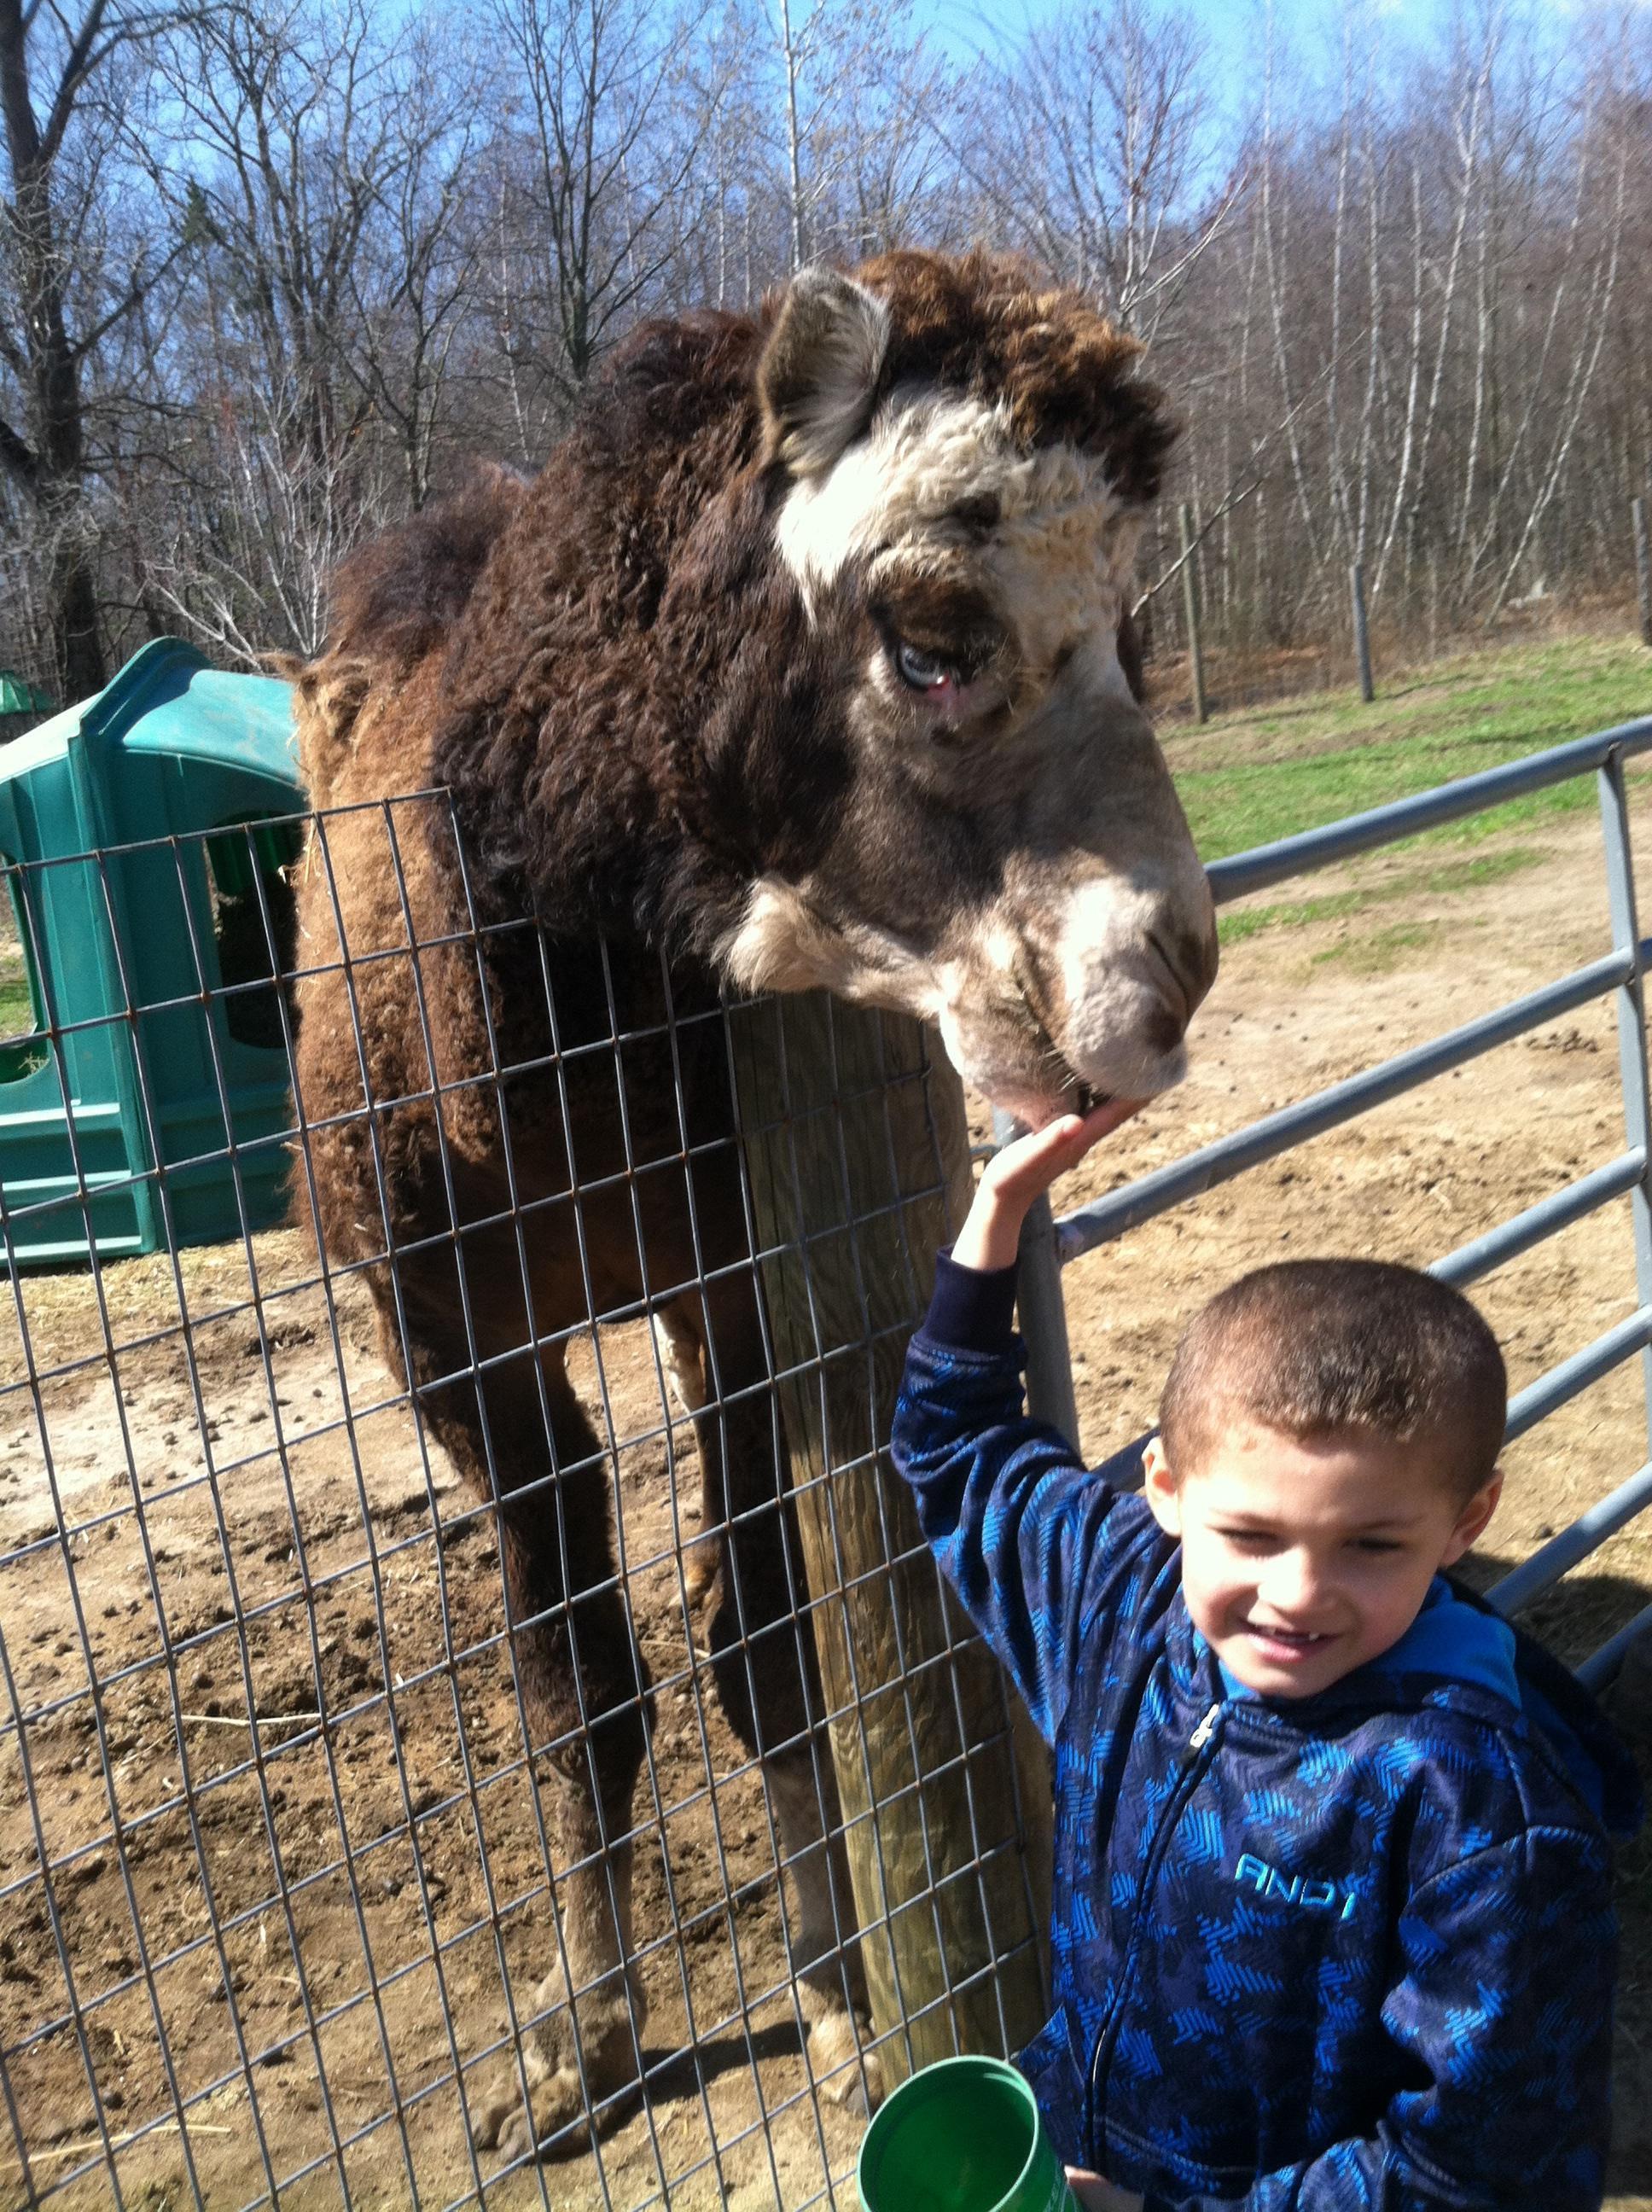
262,1511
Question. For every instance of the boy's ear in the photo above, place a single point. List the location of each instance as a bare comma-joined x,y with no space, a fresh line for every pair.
1159,1486
1471,1521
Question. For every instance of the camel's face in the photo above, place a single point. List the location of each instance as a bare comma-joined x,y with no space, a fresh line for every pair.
1009,857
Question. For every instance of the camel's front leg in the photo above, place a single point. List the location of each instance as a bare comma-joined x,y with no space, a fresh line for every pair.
680,1346
763,1654
522,1440
581,2034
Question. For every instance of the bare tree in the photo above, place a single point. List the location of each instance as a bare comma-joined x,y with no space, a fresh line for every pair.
595,152
411,285
288,135
64,292
876,157
252,537
316,167
269,270
1093,149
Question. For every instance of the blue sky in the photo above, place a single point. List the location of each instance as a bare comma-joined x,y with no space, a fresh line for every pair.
1230,25
1309,28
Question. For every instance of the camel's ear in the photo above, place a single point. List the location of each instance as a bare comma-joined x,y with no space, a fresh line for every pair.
819,370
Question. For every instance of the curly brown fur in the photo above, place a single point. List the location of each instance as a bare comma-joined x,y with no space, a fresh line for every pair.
985,325
563,734
393,601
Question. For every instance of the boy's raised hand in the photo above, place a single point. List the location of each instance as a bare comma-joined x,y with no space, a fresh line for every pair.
1024,1171
1094,2194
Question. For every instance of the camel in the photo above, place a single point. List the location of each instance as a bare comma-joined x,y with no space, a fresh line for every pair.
798,665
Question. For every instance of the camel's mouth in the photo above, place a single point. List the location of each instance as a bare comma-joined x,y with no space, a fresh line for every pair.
1070,1092
1076,1098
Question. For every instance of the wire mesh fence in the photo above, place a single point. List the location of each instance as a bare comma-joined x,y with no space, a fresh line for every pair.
470,1690
449,1709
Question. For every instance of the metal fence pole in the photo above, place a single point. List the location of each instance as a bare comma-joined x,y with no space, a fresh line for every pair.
1631,1025
1043,1311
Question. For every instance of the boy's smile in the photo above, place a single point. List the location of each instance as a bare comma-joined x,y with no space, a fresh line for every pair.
1304,1557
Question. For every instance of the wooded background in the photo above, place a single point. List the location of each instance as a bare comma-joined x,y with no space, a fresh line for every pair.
272,274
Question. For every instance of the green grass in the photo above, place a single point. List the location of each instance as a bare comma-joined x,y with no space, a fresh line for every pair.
1376,953
16,1007
1246,778
1453,876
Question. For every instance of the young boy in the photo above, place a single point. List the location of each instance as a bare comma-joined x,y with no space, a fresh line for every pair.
1333,1924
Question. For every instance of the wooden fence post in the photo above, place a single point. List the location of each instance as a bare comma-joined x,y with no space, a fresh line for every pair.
1642,567
857,1149
1362,635
1190,602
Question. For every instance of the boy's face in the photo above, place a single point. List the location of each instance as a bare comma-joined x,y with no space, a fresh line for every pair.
1302,1557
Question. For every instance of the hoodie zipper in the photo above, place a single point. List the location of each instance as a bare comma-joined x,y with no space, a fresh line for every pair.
1196,1760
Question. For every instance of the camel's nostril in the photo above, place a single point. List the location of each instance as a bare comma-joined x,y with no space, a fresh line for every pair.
1164,1031
1189,966
1176,980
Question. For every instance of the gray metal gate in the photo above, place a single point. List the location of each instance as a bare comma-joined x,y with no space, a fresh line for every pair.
1618,974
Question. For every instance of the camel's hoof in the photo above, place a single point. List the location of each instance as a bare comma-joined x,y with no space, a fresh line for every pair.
845,2072
557,2122
556,2118
701,1558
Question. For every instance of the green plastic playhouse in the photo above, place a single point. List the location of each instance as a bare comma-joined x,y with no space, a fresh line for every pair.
147,832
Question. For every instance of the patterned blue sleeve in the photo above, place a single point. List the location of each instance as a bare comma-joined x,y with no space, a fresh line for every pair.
1503,2007
1044,1554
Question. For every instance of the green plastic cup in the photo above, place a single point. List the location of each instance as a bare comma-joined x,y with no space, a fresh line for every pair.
961,2136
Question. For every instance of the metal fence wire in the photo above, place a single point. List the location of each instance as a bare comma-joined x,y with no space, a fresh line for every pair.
474,1664
321,1853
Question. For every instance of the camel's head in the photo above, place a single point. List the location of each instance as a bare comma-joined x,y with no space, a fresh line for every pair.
955,466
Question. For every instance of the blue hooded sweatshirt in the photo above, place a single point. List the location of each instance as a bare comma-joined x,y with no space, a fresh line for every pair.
1349,1951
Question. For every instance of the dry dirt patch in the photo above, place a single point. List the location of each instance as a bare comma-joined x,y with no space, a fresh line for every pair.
310,1541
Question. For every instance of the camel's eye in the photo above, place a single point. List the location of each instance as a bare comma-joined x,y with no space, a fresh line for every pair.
925,672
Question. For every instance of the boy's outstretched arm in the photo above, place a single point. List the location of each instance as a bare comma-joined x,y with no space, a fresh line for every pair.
1023,1171
1037,1549
1504,2006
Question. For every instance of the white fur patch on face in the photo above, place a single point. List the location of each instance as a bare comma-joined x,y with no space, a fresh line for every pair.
783,943
1057,559
918,460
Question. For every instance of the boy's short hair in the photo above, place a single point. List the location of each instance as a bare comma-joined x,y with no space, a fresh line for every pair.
1312,1346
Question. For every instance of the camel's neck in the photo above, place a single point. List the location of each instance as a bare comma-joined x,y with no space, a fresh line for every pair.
593,644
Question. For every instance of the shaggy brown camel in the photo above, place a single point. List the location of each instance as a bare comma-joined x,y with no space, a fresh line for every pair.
798,666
